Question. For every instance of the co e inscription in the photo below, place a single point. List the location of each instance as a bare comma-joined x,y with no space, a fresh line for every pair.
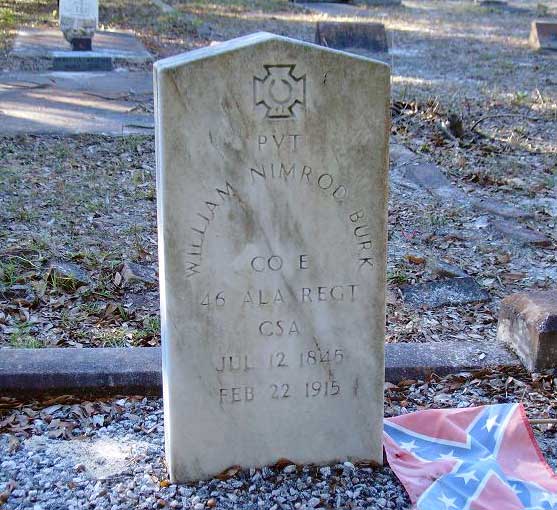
342,292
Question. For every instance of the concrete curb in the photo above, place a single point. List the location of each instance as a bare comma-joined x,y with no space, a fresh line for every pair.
416,361
31,372
111,371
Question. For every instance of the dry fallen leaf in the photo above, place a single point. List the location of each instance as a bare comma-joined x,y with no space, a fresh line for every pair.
282,463
415,259
229,473
13,444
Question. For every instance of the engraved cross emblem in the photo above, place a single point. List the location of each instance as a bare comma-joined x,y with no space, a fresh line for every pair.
279,91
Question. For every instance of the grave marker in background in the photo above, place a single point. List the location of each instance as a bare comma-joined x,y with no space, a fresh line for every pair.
543,35
528,324
78,22
272,196
350,35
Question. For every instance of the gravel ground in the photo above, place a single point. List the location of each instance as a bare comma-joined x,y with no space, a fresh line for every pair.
69,454
121,466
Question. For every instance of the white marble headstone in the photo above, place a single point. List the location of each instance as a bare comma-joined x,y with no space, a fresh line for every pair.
78,18
272,197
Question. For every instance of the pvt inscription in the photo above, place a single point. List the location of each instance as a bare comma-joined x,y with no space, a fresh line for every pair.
271,205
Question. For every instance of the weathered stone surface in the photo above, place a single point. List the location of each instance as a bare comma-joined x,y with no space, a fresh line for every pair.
78,18
494,206
132,272
452,291
430,177
400,155
420,360
427,175
543,35
519,233
272,218
442,268
528,324
67,274
347,35
503,6
78,61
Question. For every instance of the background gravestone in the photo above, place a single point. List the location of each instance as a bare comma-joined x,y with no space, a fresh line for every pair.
543,35
346,35
272,187
78,22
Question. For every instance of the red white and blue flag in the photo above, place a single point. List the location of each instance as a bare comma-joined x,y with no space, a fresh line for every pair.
479,458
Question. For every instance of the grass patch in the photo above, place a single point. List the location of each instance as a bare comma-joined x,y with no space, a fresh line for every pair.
7,18
113,337
397,277
23,12
9,273
21,338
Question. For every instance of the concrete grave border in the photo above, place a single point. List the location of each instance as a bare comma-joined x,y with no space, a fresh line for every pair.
49,43
128,371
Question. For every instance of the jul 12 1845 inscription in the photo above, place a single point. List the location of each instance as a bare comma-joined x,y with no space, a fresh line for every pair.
271,189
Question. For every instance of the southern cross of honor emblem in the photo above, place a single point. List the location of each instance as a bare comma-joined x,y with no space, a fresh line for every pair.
279,91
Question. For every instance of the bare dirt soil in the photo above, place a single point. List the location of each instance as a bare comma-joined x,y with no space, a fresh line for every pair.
90,201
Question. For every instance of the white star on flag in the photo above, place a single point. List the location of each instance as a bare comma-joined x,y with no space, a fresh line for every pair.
409,446
448,502
490,423
448,456
471,475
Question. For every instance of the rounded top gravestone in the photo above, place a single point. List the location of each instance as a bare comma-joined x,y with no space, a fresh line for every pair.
272,195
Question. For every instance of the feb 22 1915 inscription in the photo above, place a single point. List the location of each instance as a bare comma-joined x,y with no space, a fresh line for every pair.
271,191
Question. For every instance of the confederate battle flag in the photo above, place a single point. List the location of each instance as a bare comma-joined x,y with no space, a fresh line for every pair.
480,458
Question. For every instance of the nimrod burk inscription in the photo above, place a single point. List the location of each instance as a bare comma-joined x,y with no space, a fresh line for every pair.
271,189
